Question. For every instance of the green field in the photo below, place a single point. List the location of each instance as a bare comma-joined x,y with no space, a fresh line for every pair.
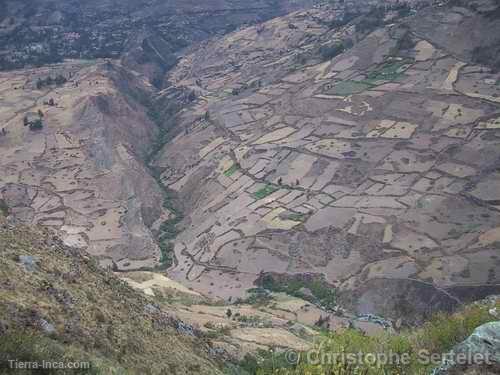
232,170
389,71
265,191
296,217
345,88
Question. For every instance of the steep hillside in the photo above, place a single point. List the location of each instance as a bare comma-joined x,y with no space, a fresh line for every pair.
212,190
83,171
59,305
370,160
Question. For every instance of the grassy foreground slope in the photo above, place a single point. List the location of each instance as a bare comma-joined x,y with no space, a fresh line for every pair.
417,351
57,305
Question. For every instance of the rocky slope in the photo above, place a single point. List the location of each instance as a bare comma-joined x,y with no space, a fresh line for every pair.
59,305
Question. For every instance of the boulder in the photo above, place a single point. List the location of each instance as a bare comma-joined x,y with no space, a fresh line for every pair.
29,262
478,354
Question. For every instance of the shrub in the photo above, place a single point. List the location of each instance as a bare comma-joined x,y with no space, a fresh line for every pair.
371,21
4,209
322,294
442,332
36,125
28,347
438,336
329,52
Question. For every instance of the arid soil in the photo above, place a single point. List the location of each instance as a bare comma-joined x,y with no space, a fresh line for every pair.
83,174
375,168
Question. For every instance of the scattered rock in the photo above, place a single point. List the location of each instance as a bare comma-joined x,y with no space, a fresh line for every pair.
151,309
185,329
46,326
29,262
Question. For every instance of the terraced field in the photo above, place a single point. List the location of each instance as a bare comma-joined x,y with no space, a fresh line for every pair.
82,174
377,169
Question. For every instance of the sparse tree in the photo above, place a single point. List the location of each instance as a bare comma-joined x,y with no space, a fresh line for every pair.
60,80
229,313
191,97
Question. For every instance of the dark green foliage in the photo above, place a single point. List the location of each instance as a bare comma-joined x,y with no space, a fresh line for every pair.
49,81
4,209
265,361
348,17
405,42
321,293
232,170
296,217
265,191
249,364
36,125
390,70
371,21
404,10
60,80
168,230
257,297
329,52
487,56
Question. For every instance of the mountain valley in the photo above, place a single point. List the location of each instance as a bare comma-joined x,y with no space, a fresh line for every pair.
249,177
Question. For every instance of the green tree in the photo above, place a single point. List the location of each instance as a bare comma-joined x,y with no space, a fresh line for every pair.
36,125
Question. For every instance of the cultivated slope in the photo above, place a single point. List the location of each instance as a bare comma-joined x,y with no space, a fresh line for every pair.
376,168
84,172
